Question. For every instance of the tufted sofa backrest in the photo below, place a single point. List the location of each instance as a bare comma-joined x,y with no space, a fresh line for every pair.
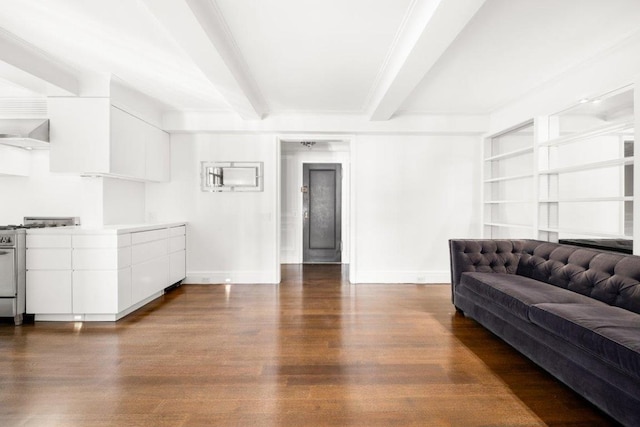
484,256
609,277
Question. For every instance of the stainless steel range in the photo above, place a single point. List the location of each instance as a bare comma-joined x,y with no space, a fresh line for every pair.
13,262
12,272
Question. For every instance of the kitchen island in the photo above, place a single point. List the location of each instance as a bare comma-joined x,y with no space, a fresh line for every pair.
101,273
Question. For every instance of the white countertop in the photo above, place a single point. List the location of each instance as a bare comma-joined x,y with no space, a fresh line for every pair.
105,229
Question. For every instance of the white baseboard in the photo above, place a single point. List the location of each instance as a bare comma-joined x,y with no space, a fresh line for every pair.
403,276
230,277
266,277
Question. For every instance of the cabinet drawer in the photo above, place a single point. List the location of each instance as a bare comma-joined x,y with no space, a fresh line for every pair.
48,241
101,241
177,267
148,278
176,243
177,231
149,236
147,251
48,259
95,292
101,259
48,292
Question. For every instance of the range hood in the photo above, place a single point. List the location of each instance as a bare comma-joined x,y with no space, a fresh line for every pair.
25,133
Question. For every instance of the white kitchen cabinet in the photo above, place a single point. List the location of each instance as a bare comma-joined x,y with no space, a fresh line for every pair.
101,258
79,135
177,254
149,236
149,277
128,145
101,240
48,252
177,243
49,241
49,291
148,251
177,266
48,280
48,259
101,275
157,156
101,291
89,136
150,266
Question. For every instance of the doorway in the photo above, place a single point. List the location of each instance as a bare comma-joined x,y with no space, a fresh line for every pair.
322,218
293,156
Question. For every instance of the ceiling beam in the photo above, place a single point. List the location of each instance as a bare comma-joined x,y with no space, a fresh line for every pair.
201,31
428,31
29,67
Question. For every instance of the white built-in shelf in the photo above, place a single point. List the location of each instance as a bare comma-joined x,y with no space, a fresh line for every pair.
589,199
508,178
593,133
589,166
496,224
514,153
501,202
585,233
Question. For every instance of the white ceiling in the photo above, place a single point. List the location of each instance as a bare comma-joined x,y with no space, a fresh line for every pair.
512,47
261,57
314,56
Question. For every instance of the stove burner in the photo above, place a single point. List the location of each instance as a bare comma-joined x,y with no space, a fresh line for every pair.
10,227
28,226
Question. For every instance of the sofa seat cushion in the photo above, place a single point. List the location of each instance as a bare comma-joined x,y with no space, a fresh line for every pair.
610,333
518,293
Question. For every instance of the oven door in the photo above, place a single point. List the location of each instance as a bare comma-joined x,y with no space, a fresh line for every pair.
7,273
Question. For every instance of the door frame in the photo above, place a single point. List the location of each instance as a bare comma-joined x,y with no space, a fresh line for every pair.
323,153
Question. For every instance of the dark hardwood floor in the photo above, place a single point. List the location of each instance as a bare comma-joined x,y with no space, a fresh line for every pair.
312,351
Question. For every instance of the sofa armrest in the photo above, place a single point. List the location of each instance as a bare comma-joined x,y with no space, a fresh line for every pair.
483,255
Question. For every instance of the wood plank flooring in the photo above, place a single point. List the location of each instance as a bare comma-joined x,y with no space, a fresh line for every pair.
313,351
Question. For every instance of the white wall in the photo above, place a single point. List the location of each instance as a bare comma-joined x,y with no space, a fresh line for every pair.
231,236
41,194
124,201
97,201
410,195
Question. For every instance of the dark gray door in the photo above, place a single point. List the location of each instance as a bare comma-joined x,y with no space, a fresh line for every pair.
322,210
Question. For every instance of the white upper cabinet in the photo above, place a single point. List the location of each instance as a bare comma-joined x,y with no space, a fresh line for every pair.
89,136
128,145
158,156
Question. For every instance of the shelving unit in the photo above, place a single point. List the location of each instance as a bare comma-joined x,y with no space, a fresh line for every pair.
508,183
564,176
585,176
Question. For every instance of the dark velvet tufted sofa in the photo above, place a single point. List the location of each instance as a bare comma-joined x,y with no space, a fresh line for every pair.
573,311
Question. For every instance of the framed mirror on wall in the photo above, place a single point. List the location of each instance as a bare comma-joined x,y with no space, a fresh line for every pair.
231,176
